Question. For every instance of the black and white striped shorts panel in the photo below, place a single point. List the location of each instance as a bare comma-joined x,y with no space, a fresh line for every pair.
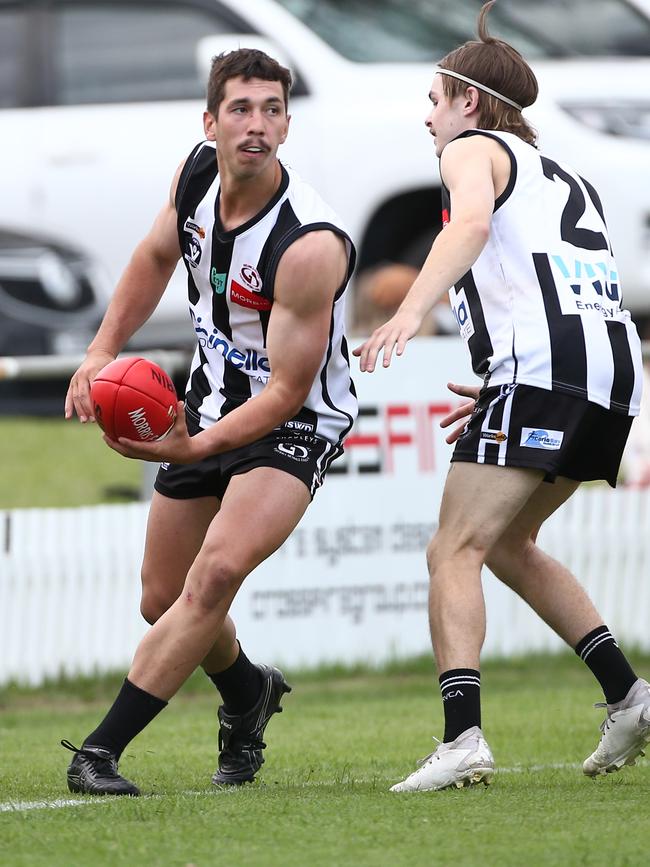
525,426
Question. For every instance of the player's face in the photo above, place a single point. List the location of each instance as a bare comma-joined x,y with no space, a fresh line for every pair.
447,118
251,124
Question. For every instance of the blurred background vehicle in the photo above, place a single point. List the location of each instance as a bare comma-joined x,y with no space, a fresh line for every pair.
52,298
99,102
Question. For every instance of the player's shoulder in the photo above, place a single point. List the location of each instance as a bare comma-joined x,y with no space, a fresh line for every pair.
198,168
311,270
308,203
314,247
476,150
474,142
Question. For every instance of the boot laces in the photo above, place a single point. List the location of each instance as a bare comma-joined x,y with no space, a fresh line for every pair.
105,765
431,755
605,724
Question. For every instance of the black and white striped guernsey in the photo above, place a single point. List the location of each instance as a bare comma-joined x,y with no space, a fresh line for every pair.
231,276
541,305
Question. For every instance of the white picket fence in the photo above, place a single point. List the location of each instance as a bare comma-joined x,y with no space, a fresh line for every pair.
349,585
69,588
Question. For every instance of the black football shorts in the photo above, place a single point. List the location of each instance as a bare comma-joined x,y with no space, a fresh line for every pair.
303,455
523,426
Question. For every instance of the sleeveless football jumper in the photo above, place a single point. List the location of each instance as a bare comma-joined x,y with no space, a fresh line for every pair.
541,306
231,277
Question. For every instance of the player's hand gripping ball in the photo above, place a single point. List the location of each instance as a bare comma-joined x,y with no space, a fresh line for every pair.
134,398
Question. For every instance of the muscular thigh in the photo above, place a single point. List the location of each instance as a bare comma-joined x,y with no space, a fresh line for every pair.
175,533
259,511
480,501
525,526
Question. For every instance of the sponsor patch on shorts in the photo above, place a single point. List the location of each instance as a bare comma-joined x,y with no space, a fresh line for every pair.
540,438
497,436
293,450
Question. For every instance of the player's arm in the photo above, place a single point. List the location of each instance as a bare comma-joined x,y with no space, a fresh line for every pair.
466,167
308,276
136,296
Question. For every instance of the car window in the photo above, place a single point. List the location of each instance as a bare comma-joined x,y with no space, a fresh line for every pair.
129,53
12,41
425,30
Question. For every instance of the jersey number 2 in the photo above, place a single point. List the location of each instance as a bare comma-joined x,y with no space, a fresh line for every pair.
573,211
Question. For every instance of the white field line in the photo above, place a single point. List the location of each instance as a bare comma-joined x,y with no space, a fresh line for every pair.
60,803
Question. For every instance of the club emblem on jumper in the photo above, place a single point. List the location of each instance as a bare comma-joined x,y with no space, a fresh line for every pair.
218,281
251,278
193,254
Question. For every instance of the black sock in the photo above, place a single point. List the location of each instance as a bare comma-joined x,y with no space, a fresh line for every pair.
132,710
610,667
461,700
240,685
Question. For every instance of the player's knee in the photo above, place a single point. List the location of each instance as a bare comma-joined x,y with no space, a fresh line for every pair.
442,551
153,604
510,560
217,581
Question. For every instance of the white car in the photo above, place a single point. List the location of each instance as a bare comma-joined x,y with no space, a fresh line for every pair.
99,102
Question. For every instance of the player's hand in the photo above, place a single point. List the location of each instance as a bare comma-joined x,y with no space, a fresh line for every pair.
178,447
464,411
393,335
78,397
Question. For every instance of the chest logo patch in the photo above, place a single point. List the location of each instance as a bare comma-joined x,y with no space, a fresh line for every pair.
245,298
251,278
218,281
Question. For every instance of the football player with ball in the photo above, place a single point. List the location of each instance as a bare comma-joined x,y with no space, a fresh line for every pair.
267,404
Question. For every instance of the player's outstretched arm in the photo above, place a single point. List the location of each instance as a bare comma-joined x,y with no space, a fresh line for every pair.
466,166
135,298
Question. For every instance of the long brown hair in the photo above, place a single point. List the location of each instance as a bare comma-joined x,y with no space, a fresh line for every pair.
497,65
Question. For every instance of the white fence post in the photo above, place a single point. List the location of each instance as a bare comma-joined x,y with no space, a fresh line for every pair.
70,588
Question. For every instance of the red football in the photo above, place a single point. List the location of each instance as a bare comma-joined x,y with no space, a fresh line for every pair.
134,398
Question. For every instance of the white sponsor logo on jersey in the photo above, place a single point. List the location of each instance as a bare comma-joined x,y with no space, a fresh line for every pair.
191,226
586,285
462,314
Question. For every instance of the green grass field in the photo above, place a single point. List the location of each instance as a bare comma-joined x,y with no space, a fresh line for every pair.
322,798
50,462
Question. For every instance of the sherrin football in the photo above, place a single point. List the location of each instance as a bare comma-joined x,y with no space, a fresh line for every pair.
134,398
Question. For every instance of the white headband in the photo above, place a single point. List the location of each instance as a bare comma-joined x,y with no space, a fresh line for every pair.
480,87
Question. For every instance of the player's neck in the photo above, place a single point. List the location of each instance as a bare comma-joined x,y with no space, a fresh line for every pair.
242,198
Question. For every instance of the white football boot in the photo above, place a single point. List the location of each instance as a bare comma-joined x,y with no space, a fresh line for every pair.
463,762
625,732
